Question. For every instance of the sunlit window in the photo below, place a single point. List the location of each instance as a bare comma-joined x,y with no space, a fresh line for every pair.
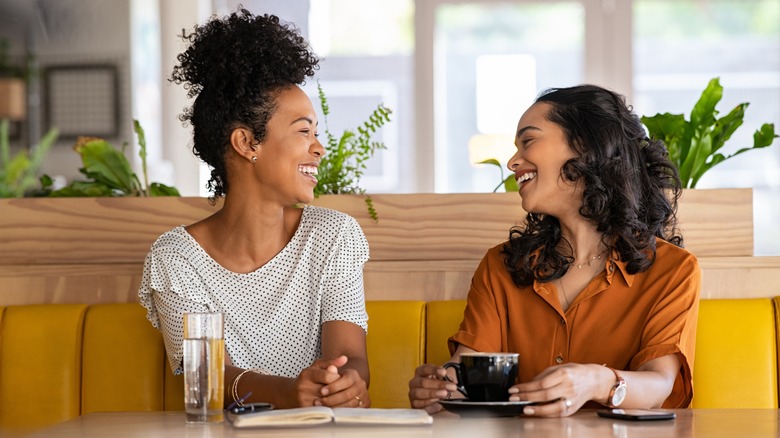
491,60
357,28
366,60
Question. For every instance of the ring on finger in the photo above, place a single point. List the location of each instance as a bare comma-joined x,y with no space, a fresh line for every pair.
360,402
566,404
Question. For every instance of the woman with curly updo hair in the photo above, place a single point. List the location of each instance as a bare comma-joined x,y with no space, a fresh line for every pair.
289,280
594,290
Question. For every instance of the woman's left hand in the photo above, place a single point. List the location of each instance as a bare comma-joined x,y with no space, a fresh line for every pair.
565,387
348,391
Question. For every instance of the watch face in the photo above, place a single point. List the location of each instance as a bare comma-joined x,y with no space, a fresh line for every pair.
619,395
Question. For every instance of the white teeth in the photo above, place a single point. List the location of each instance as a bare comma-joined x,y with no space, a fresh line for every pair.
526,176
308,170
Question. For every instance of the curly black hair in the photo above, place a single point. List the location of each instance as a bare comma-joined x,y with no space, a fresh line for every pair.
631,188
235,67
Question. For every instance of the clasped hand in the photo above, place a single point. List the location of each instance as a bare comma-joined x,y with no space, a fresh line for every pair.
327,383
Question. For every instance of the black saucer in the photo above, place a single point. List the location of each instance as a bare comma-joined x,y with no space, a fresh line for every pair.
465,407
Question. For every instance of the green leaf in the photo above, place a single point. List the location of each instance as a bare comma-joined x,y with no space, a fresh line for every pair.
139,131
725,126
704,112
667,128
699,158
510,184
106,165
84,189
157,189
492,161
46,181
764,136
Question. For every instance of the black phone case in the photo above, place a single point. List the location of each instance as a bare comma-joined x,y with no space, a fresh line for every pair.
251,407
637,414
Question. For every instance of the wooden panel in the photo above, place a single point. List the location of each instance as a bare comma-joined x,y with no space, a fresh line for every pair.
82,283
424,247
89,230
740,277
717,222
433,226
723,277
410,227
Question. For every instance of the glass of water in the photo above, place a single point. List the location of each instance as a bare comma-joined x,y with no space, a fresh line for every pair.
204,367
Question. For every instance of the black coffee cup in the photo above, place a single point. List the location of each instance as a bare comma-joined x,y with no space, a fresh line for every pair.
486,376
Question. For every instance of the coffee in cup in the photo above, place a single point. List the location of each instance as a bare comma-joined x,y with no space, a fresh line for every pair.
486,376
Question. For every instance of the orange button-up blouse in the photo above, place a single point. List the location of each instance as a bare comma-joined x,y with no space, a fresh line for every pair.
619,319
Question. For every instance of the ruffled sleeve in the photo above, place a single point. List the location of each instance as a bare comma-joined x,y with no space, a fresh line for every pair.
170,287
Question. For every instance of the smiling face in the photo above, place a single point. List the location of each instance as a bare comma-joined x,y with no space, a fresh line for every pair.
288,157
542,149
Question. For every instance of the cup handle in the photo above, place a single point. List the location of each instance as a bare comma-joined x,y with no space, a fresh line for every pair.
461,388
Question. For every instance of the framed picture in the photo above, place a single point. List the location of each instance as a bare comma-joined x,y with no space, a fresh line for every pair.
82,100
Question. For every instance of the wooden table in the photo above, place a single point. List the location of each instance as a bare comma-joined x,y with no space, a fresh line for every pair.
710,423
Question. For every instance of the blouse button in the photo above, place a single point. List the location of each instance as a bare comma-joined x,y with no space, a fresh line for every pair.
559,359
563,321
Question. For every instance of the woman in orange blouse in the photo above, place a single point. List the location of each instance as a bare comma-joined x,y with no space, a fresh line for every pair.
594,291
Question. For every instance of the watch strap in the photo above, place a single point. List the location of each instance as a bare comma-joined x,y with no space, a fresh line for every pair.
620,382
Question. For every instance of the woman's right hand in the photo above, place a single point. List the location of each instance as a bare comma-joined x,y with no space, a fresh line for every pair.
428,386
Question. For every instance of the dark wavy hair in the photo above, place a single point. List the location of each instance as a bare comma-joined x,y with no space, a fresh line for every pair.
630,191
235,68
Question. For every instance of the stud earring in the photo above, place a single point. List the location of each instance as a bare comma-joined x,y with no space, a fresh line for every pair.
254,159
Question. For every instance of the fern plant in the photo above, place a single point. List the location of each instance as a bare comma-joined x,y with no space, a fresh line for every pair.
345,157
18,173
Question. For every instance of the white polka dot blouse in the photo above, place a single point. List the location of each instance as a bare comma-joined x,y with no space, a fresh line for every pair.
273,316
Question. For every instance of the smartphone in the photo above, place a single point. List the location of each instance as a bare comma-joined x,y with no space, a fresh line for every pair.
251,407
637,414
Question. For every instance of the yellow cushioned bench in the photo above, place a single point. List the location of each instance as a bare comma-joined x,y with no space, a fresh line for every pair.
58,361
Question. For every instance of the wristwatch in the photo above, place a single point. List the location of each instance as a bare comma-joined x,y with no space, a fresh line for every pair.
618,392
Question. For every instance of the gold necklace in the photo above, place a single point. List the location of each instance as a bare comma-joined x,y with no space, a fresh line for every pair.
589,262
579,266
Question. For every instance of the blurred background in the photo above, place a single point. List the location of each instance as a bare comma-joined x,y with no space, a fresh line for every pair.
458,74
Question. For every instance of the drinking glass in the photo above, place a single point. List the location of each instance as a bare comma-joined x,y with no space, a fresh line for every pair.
204,367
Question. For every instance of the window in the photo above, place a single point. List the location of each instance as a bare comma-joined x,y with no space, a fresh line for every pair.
490,61
458,74
366,60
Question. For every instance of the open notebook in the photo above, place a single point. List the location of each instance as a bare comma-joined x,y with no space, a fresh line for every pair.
321,414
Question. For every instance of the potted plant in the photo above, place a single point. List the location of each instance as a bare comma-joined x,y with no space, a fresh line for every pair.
694,144
109,172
